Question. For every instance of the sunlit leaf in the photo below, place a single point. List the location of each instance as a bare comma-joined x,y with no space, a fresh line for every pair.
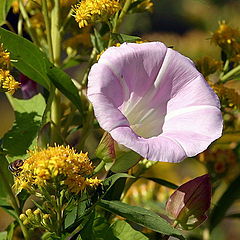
27,57
141,216
23,134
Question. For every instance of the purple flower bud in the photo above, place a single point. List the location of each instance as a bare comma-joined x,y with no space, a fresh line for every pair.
187,206
29,88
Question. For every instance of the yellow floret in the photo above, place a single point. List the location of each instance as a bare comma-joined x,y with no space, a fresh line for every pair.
91,11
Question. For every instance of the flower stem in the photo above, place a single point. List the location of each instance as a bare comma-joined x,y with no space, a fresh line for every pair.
231,73
48,29
86,127
28,24
56,33
118,20
99,167
90,63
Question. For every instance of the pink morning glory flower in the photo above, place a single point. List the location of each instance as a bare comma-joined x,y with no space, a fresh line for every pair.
151,99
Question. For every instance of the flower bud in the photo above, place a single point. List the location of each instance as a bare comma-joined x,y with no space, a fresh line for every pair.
22,217
189,203
29,213
119,157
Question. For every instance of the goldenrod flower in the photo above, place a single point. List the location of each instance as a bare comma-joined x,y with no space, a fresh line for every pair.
7,82
4,57
55,165
90,11
227,38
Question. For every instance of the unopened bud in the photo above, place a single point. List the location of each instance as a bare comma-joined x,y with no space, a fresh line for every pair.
22,217
29,213
189,203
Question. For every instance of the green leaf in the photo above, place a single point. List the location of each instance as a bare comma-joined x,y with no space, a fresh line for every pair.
63,82
125,160
141,216
98,42
121,38
5,178
162,182
4,8
224,203
123,231
109,182
28,115
3,235
27,57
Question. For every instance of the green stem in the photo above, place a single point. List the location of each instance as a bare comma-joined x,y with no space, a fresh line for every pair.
231,73
56,117
28,23
99,168
90,63
19,25
48,28
118,20
14,202
59,217
56,32
122,14
86,127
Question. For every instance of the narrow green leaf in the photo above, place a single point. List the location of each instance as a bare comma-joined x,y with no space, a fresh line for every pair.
98,42
162,182
28,115
109,182
121,38
63,82
123,231
234,215
224,203
4,8
141,216
27,57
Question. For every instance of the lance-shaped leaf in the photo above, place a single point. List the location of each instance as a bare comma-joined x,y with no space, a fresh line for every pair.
189,203
141,216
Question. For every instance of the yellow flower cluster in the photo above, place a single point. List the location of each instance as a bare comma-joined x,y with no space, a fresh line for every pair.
228,39
56,165
90,11
7,81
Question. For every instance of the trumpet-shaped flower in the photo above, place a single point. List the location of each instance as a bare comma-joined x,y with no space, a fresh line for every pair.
151,99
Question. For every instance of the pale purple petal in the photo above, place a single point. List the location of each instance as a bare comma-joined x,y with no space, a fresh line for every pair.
151,99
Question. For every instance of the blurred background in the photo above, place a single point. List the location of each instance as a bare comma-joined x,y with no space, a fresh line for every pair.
185,25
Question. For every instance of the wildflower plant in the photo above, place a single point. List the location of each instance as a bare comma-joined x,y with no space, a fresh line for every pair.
79,143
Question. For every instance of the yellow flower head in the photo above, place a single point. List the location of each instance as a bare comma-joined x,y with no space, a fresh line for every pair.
227,38
4,57
55,165
7,82
90,11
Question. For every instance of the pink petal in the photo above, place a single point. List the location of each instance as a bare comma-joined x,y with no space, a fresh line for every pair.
151,99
